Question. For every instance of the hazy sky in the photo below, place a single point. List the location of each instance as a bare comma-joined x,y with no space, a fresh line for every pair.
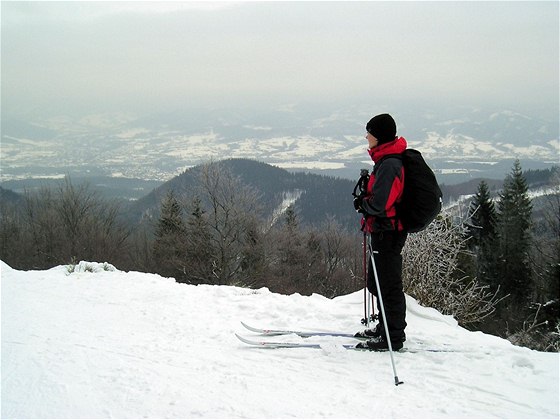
106,56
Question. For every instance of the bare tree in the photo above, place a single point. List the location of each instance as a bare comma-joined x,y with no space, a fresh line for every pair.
340,257
431,274
90,223
12,235
233,213
42,226
545,250
71,223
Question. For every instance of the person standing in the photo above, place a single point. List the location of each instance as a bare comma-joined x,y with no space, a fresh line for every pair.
387,236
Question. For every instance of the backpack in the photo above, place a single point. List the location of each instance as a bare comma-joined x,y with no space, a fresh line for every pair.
422,198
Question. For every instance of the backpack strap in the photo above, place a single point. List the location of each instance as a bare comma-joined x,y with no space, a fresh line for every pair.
396,218
393,155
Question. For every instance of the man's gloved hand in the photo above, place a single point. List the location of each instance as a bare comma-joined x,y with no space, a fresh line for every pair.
358,200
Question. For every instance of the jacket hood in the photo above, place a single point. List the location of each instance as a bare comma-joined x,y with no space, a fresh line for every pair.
396,146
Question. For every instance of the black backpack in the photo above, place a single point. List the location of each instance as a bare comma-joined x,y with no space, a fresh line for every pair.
422,198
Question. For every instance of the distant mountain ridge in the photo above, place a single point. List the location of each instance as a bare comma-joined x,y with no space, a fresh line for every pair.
459,142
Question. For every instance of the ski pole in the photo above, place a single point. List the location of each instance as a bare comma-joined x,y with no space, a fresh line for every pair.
365,319
373,316
397,382
361,185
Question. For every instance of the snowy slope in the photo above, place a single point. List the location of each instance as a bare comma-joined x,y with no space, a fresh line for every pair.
131,345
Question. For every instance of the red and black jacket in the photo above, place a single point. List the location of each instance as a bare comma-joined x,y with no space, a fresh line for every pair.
385,188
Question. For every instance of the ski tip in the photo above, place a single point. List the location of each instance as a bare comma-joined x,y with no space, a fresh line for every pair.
253,329
243,339
261,344
253,342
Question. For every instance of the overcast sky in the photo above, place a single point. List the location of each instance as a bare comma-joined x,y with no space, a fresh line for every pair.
105,56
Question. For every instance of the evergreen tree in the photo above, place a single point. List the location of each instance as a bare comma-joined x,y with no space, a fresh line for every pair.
290,220
514,224
482,214
482,233
199,251
169,243
289,261
290,245
253,256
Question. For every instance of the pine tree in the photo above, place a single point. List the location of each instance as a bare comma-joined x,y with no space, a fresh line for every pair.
290,220
199,250
483,214
253,256
514,224
482,233
289,261
169,243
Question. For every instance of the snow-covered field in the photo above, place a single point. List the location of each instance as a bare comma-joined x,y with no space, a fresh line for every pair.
110,344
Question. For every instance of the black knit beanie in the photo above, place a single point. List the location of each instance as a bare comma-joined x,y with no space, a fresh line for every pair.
383,128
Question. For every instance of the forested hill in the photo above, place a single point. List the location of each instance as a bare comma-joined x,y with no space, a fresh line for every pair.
315,197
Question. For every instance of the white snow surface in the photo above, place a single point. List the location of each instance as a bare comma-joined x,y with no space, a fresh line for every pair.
102,343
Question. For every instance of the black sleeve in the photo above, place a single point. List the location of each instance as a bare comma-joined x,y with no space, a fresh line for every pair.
376,204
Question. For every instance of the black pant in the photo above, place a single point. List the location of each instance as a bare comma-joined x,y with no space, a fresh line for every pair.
388,262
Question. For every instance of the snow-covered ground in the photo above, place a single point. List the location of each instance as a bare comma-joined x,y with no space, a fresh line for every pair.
110,344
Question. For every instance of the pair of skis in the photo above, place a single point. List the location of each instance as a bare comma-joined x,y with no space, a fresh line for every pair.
282,344
267,343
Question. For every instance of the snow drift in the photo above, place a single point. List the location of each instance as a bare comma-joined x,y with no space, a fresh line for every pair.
102,343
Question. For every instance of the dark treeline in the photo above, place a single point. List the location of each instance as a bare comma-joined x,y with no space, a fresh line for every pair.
517,255
497,271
